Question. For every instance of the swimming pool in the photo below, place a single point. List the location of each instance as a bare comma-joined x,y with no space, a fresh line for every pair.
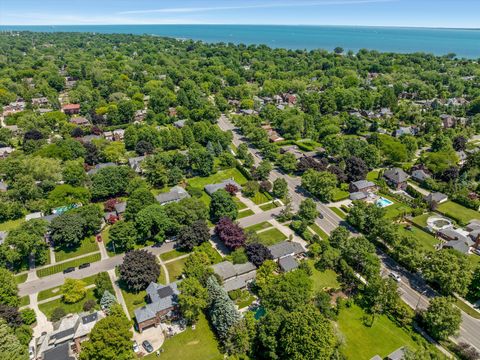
382,202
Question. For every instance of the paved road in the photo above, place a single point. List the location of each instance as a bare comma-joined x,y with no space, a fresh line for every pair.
413,289
58,279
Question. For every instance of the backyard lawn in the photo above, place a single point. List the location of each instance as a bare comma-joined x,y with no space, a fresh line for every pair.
200,182
458,212
425,239
48,307
175,268
88,245
198,344
272,236
74,263
373,175
323,279
339,194
362,342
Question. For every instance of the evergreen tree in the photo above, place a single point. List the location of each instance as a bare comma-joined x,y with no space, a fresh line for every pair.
107,301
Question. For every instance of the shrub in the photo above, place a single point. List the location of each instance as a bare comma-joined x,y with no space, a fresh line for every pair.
89,305
57,314
28,316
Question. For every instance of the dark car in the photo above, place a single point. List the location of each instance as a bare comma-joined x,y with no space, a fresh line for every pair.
84,265
68,270
147,346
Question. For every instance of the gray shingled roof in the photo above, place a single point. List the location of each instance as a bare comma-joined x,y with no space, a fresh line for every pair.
288,263
162,298
459,245
135,163
177,193
396,175
239,282
285,248
121,207
98,167
363,184
60,352
436,197
420,175
358,195
211,188
227,270
397,354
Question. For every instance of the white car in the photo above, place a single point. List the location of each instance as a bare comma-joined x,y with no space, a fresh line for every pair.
136,349
395,276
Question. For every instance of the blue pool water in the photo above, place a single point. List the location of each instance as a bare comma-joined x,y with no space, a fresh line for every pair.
382,202
462,42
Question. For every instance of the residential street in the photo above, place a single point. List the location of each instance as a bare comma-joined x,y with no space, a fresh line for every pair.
413,290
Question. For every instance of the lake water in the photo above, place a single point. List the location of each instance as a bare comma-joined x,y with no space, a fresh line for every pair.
462,42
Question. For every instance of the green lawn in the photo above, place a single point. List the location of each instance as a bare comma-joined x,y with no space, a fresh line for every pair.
175,268
134,300
317,230
200,182
245,213
20,279
421,220
259,226
339,194
48,307
48,293
10,225
198,344
464,307
269,206
60,267
172,255
338,212
245,299
88,245
373,175
424,238
272,236
362,342
261,198
240,204
24,301
458,212
396,209
323,280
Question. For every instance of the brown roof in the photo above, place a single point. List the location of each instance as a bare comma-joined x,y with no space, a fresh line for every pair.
71,107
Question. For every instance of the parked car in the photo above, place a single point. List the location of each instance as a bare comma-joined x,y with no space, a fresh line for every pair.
68,270
395,276
147,346
84,265
136,348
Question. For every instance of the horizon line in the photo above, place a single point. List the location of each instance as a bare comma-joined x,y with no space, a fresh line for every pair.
246,24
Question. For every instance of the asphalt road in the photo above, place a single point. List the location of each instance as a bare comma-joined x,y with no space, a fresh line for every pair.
413,289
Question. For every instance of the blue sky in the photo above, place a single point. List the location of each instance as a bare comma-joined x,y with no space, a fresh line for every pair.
428,13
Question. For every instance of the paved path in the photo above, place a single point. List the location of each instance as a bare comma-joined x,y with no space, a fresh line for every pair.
58,279
250,204
419,189
103,250
43,325
118,292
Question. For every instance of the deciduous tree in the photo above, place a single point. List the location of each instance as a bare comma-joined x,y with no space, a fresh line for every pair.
139,269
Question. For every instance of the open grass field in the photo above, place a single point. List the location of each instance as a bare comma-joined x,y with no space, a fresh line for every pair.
259,226
87,246
458,212
175,268
74,263
425,239
200,182
272,236
198,344
48,307
362,342
323,280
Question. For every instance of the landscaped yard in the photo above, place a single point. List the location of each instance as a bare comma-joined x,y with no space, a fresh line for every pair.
88,245
243,300
175,268
198,344
240,204
396,209
421,220
134,300
259,226
272,236
425,239
458,212
373,175
362,342
48,293
200,182
323,279
48,307
24,301
261,198
74,263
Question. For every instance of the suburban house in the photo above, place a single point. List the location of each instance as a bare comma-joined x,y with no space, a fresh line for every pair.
175,194
420,175
98,167
79,121
115,135
436,198
235,276
292,149
273,136
456,239
398,354
136,162
161,303
5,151
211,188
120,208
285,253
71,109
179,123
405,130
362,186
67,338
40,101
396,178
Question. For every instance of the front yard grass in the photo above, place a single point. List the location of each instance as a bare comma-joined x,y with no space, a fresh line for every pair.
172,254
200,182
48,307
49,293
20,279
261,198
339,194
134,300
240,204
424,238
24,301
317,230
198,344
269,206
362,342
259,226
272,236
88,245
245,213
175,268
458,212
74,263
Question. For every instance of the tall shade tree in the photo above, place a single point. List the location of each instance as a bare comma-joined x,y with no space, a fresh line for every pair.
320,184
123,235
222,205
10,346
192,299
139,269
8,288
230,233
73,290
442,318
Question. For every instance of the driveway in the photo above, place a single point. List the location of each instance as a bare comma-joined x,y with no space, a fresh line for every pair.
153,334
